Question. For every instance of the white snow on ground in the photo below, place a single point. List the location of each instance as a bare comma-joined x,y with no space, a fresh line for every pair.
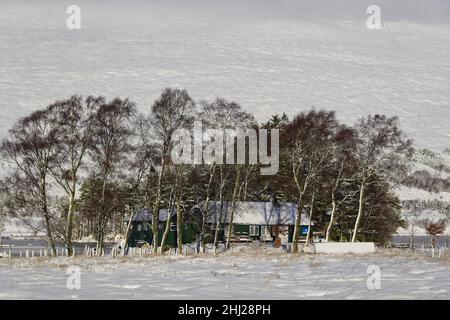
275,59
236,276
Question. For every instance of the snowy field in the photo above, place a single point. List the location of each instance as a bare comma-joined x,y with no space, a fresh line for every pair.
269,56
253,274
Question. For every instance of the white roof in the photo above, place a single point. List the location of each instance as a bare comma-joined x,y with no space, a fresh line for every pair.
259,213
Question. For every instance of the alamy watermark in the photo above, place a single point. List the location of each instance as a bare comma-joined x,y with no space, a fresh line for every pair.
373,277
226,146
373,22
73,282
73,21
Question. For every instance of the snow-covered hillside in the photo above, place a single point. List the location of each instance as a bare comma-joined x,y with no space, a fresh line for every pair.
426,196
16,227
411,193
271,58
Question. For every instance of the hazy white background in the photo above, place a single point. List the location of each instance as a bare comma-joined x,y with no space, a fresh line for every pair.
269,56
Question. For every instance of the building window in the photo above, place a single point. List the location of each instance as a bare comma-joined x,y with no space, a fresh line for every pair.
139,227
265,231
145,226
254,230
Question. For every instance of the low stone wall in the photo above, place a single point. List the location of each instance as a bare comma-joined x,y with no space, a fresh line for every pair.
345,247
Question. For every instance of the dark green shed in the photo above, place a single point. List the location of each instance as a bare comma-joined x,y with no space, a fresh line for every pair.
141,231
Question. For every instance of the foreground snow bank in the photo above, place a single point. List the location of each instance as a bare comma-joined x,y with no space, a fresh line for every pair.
243,274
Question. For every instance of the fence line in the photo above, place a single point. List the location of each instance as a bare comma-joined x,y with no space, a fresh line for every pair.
114,252
431,251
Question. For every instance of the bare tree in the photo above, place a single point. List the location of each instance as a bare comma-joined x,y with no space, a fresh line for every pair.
182,171
31,148
111,133
434,228
75,128
307,151
222,114
234,198
173,110
142,164
341,169
2,212
173,199
381,149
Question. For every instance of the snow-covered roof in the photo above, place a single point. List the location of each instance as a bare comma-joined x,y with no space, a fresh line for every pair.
146,215
258,213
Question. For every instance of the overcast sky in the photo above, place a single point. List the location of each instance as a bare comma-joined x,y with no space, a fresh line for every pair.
429,11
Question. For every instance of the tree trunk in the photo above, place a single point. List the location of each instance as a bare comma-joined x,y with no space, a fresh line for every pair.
155,213
166,230
205,209
49,234
219,221
297,224
433,240
127,231
101,226
47,216
179,225
411,238
333,211
360,210
298,217
69,227
233,204
169,214
204,226
308,235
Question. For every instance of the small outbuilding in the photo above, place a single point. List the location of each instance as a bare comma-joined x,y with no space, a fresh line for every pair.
141,230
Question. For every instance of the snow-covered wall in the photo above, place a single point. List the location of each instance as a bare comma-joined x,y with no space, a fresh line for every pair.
345,247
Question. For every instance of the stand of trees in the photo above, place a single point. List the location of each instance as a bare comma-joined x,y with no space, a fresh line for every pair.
84,165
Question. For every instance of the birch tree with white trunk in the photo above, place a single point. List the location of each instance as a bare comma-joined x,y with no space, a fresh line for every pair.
173,110
30,148
340,171
306,152
111,145
75,130
382,150
221,114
